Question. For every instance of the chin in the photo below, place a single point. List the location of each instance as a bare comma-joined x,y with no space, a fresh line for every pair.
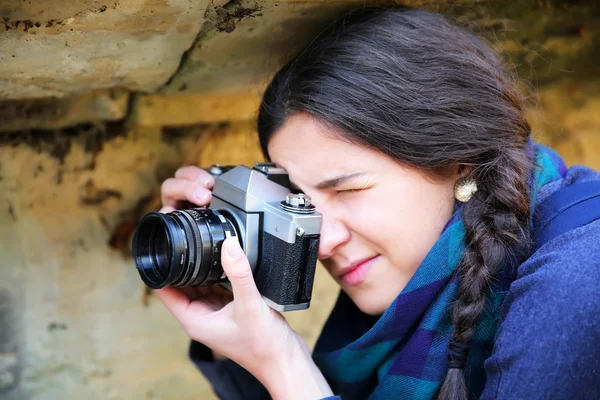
369,303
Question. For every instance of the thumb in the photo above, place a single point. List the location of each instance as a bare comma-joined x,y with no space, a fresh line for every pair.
238,271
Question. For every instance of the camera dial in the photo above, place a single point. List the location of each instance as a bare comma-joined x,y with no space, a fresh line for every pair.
297,203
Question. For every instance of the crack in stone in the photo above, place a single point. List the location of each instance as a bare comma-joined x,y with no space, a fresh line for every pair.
220,18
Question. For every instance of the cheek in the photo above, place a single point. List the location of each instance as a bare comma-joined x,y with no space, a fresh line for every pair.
401,227
378,219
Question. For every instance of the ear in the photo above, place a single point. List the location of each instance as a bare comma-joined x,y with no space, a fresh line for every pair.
464,170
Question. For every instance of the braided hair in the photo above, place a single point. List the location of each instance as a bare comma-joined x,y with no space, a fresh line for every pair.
429,94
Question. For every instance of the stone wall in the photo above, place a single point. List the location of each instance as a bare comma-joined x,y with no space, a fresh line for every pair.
76,321
104,100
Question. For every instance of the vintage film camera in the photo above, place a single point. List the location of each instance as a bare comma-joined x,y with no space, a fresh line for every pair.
278,230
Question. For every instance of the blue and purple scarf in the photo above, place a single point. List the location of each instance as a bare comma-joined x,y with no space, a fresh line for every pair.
403,354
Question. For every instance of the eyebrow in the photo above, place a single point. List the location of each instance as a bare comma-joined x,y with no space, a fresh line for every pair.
338,180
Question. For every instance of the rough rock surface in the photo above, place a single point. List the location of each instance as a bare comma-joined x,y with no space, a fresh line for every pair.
53,113
191,47
52,48
75,320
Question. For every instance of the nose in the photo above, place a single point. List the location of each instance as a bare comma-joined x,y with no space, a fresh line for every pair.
334,233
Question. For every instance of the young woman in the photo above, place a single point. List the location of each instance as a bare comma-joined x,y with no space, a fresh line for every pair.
410,139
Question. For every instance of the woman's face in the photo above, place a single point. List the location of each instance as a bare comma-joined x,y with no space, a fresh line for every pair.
380,219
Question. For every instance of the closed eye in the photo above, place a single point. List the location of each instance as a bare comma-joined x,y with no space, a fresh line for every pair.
366,184
351,190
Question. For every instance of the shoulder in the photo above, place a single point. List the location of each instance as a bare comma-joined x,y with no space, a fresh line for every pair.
569,264
549,324
561,277
566,269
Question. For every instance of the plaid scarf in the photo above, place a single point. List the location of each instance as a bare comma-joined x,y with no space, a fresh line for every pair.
402,354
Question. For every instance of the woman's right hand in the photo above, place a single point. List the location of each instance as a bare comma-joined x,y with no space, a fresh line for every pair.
190,184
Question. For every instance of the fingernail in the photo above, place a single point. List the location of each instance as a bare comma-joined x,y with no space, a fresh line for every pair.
201,194
206,182
234,250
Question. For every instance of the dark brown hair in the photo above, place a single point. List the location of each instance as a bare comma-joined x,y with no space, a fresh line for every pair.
429,94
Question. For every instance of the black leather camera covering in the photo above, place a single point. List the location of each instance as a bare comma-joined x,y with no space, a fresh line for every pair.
287,271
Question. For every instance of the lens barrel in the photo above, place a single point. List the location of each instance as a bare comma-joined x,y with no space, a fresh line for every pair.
181,248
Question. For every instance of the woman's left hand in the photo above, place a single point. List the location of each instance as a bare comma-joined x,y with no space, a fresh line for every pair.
246,330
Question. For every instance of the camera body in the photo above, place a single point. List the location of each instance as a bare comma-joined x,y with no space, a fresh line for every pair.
278,230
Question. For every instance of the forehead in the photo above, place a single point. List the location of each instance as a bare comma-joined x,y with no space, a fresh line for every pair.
311,151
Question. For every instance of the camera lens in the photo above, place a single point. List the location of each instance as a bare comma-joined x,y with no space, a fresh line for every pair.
161,252
181,248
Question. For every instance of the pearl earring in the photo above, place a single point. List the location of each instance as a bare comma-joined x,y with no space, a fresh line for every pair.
465,188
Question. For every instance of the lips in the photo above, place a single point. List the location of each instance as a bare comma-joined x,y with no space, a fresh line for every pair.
356,272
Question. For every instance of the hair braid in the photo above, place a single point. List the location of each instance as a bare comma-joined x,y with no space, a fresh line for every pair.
496,221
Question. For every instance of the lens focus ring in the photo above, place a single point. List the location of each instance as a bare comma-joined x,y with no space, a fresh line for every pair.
181,248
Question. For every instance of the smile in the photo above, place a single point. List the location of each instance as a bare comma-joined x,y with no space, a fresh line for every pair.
356,272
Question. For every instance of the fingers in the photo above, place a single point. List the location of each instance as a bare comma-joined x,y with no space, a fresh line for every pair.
189,312
238,271
175,301
176,189
190,184
195,174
